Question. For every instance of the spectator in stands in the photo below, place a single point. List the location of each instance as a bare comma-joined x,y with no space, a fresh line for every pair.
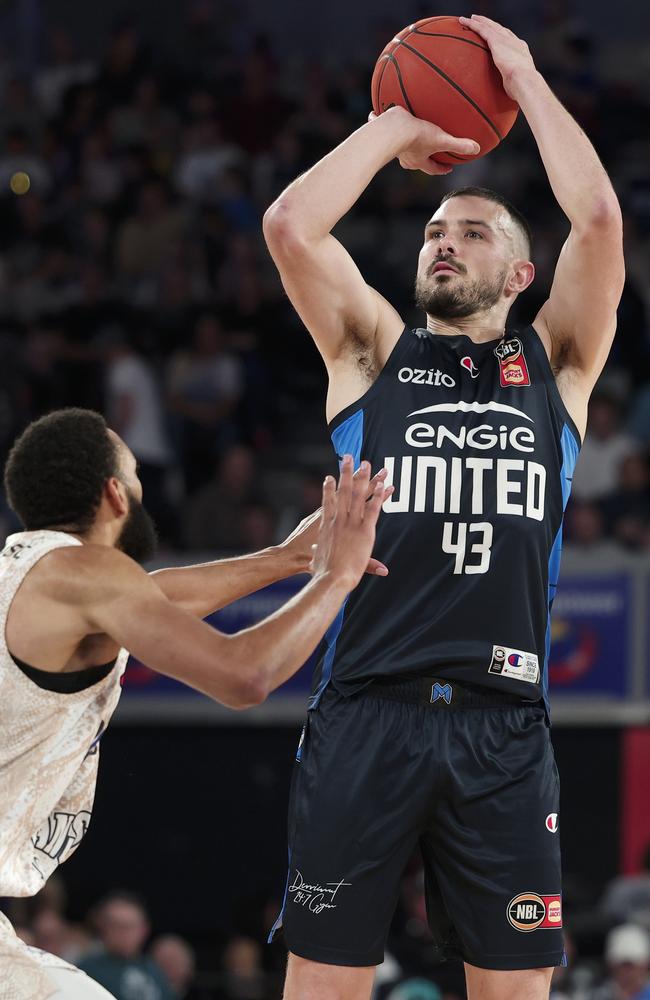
207,155
177,960
627,954
257,527
243,977
215,514
413,989
605,446
63,69
627,897
121,966
134,410
585,533
639,422
627,510
53,933
205,386
145,241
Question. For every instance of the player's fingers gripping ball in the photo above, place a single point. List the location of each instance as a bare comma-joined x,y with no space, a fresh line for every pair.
442,71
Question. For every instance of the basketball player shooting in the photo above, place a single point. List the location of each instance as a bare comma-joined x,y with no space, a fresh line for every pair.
428,721
73,600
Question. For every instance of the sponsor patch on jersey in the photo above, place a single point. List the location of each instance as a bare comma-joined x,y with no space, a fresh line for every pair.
514,663
551,822
513,369
531,912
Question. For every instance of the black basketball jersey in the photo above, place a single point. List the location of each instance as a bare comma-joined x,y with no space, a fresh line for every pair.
481,451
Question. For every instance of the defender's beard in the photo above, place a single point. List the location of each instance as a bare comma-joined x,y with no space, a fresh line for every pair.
445,298
138,537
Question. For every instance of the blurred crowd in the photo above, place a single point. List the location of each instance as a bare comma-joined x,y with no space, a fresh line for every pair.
134,278
607,948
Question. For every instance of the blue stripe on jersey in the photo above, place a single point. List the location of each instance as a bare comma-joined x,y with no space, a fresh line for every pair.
570,451
347,439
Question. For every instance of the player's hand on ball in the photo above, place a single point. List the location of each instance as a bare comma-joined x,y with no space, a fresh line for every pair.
347,528
425,141
511,54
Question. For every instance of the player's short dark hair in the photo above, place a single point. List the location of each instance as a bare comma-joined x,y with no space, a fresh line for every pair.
57,469
517,217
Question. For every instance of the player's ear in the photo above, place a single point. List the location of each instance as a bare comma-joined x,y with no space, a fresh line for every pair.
521,276
115,493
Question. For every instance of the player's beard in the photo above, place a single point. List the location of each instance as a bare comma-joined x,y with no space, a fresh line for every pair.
138,538
450,299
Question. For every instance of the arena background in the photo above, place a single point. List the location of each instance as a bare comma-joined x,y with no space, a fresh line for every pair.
134,279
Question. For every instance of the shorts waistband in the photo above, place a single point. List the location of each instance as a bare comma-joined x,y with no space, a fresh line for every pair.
440,692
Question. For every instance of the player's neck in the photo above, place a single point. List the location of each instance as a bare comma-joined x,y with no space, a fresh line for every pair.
481,327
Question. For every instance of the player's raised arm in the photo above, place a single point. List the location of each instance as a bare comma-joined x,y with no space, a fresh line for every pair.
579,318
118,598
321,279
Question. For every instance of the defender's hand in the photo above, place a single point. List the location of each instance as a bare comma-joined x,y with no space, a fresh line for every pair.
511,54
425,140
302,540
347,530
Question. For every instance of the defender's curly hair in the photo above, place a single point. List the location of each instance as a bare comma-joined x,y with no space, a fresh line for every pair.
57,469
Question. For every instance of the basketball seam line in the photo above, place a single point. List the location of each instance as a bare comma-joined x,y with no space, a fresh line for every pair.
460,90
389,55
441,34
379,87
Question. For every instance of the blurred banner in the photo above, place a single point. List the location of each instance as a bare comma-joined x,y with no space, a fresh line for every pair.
591,637
599,665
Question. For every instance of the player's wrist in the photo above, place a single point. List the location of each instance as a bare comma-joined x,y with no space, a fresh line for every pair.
400,126
526,83
337,579
290,557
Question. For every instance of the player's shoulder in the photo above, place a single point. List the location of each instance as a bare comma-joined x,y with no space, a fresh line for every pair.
75,574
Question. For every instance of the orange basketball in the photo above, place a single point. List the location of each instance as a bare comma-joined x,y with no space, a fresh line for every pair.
443,72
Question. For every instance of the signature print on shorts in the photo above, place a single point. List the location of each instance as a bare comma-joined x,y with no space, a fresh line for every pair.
313,896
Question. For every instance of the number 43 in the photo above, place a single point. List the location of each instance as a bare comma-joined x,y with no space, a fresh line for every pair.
458,548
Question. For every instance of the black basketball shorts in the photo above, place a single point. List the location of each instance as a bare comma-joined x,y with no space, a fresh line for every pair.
466,774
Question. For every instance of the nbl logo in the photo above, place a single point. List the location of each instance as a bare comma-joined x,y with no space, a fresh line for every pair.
498,661
530,912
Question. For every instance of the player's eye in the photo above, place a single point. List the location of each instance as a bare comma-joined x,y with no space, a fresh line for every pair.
434,234
473,232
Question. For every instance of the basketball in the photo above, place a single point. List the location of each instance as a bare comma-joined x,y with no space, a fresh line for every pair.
443,72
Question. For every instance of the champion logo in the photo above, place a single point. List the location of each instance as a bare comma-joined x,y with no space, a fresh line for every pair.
469,366
551,822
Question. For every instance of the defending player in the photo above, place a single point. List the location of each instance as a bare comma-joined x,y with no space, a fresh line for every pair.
73,601
428,720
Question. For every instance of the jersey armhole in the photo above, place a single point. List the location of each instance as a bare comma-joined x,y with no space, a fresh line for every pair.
534,341
391,363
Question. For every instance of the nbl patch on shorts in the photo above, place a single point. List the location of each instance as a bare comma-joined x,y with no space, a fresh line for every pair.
513,369
515,663
530,912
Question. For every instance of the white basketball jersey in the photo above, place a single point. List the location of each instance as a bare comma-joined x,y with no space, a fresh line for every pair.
49,750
